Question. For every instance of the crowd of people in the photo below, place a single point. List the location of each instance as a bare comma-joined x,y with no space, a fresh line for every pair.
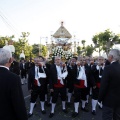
79,77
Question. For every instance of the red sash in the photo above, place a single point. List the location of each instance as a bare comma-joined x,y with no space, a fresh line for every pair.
80,85
98,85
58,85
35,82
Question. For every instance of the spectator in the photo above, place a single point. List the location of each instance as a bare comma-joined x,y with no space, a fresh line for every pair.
12,105
110,88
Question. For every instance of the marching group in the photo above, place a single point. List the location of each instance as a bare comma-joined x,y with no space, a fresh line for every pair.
79,77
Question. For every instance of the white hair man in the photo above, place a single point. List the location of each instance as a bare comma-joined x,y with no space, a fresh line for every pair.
109,92
11,100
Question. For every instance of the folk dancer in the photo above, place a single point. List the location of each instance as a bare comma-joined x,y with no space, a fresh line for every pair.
70,79
97,71
36,83
80,84
57,84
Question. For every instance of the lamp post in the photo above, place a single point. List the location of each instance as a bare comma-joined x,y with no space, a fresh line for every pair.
47,45
74,44
51,43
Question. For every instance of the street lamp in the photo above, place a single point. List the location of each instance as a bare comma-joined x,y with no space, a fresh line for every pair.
74,44
52,43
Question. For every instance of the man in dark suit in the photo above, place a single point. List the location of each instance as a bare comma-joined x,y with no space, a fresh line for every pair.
36,84
15,68
109,92
12,105
70,79
23,71
96,71
80,86
57,84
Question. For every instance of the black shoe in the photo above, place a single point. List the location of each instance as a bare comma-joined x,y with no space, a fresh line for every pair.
43,111
51,115
84,109
94,112
29,115
75,114
65,111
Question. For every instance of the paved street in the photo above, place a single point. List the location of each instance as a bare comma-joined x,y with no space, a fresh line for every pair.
59,115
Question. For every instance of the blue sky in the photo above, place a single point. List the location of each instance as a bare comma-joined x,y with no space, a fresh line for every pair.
41,18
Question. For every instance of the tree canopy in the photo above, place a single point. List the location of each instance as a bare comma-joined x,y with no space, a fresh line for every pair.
105,40
102,41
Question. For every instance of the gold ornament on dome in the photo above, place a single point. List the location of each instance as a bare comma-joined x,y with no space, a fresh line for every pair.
62,32
62,46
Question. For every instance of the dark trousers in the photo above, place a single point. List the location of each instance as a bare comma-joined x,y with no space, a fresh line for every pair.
111,113
23,73
70,86
46,88
38,91
88,90
80,93
57,91
95,93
